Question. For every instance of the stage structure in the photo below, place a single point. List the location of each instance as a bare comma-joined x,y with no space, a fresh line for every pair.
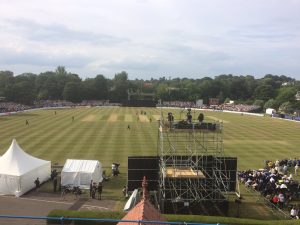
194,174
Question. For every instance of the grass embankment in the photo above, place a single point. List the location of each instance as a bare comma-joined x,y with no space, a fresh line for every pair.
170,218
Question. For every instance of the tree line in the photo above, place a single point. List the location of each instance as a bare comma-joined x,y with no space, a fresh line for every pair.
271,91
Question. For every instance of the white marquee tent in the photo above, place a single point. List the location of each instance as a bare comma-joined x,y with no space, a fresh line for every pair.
80,172
19,170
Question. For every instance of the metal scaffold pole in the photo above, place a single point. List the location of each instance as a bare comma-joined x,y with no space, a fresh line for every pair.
191,162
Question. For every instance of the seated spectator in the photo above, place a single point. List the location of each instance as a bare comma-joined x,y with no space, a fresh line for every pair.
276,187
275,200
294,213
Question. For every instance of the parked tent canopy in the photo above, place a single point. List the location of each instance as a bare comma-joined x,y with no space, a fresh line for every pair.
81,172
19,170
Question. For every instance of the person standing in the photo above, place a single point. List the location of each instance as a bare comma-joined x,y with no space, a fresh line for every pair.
281,198
296,169
275,200
99,190
27,123
54,184
124,191
37,184
113,169
91,188
94,190
285,169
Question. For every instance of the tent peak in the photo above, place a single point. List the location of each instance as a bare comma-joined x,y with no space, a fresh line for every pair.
14,145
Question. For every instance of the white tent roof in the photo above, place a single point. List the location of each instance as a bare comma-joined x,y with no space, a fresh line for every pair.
17,162
80,172
76,165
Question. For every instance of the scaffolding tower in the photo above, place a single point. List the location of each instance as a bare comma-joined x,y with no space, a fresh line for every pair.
192,166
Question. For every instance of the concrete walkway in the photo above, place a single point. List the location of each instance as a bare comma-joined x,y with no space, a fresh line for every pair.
40,204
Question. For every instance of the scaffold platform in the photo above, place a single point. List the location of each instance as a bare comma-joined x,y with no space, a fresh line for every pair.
185,172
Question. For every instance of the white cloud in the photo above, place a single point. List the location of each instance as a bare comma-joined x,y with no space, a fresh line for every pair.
151,37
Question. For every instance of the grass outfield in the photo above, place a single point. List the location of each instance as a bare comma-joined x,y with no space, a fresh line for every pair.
102,134
95,133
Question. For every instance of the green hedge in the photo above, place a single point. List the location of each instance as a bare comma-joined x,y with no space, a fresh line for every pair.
85,214
228,220
171,218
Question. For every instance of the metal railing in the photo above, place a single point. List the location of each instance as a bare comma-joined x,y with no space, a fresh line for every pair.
62,220
272,207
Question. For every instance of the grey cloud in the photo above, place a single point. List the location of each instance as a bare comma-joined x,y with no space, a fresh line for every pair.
264,32
56,33
171,59
193,53
12,57
133,65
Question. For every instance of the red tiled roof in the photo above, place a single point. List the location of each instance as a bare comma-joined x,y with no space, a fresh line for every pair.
144,210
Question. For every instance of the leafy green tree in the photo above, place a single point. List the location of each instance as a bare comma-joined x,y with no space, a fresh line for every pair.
242,89
238,88
206,89
271,103
6,79
89,89
95,88
73,92
250,85
297,105
286,94
224,83
189,92
120,86
275,81
101,86
22,91
259,103
227,100
286,107
61,71
264,92
46,86
162,92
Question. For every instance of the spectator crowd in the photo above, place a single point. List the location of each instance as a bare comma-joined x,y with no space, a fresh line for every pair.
7,107
229,107
179,104
15,107
240,107
275,183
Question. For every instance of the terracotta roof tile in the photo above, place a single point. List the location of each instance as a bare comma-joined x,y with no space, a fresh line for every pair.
144,210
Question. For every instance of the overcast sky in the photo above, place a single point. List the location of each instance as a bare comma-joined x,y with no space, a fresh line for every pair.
151,38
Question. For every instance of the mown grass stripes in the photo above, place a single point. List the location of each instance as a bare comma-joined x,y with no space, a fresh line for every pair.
56,138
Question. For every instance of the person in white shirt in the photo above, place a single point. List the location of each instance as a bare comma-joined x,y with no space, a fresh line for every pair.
281,200
296,169
294,213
